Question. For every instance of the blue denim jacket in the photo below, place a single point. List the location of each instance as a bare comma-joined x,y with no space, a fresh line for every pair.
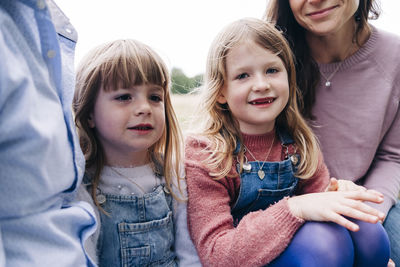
41,163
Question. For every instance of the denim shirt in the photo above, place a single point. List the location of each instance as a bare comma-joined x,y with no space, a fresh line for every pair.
41,163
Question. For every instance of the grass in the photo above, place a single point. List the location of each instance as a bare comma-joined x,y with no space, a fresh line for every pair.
184,106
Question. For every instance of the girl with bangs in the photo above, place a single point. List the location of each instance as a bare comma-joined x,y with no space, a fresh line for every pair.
259,191
132,144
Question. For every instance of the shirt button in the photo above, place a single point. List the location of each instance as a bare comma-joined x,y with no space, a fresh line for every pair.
68,30
51,53
41,4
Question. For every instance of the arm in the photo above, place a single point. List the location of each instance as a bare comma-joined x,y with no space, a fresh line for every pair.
184,248
2,254
312,205
253,242
384,173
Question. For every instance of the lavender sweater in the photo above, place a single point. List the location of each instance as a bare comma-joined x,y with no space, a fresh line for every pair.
358,117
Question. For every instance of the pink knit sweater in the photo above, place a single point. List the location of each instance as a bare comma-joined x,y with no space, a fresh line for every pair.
260,236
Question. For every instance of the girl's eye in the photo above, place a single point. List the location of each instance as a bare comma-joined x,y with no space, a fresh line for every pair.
272,70
242,76
156,98
123,98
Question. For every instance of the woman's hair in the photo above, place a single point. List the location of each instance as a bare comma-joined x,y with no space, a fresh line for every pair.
307,70
124,64
218,123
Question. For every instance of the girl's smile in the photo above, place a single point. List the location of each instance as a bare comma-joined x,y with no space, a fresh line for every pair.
129,121
256,88
262,101
141,129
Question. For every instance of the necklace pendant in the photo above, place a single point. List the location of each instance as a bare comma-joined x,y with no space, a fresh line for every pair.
247,167
328,84
261,174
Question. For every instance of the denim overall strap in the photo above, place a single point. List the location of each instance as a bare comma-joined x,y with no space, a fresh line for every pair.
257,193
137,231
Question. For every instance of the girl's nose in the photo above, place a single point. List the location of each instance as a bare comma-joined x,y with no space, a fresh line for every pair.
261,83
142,108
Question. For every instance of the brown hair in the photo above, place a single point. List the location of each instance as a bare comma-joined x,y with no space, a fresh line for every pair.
124,63
218,124
307,70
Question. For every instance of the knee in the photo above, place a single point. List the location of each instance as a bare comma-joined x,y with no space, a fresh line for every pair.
321,244
371,245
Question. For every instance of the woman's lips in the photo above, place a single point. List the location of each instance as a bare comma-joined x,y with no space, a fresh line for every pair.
321,12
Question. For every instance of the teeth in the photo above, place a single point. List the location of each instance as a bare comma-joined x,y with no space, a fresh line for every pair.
141,128
269,101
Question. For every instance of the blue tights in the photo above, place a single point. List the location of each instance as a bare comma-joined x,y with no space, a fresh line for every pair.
328,244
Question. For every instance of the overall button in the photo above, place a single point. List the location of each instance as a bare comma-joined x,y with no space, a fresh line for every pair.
101,199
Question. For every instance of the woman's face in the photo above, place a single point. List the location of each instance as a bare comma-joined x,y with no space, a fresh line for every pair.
324,17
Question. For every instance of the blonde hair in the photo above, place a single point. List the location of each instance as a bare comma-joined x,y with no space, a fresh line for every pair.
125,63
217,122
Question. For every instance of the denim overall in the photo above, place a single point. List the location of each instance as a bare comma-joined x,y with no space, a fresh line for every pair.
138,231
279,181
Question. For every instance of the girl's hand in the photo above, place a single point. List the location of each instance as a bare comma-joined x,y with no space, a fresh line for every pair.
391,263
335,206
346,185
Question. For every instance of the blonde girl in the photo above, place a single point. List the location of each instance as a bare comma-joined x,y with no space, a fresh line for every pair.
254,170
132,144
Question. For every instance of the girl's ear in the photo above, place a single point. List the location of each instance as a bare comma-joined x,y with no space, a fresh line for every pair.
221,99
91,121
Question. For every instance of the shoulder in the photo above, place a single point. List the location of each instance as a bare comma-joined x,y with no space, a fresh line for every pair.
386,44
197,147
385,55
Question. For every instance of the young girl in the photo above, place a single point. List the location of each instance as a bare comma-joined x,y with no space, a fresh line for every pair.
132,144
255,173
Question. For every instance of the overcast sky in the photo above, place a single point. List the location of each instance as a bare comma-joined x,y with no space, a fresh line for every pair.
181,31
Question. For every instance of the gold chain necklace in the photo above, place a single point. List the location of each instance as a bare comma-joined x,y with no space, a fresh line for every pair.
261,173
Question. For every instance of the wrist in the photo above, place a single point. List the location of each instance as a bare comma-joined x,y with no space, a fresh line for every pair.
294,207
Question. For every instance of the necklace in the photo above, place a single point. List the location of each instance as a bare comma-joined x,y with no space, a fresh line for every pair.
130,180
261,173
328,78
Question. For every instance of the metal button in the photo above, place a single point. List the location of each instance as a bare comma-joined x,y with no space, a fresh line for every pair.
294,159
247,167
101,199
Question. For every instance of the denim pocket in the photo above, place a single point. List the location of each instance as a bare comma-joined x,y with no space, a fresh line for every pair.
146,242
267,197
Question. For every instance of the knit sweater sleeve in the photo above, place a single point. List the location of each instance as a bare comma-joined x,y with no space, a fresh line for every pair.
384,172
259,237
386,167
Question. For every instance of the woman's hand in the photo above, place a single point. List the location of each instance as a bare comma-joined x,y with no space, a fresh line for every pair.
346,185
334,206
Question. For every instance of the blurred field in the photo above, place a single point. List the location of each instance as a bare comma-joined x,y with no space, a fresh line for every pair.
184,106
